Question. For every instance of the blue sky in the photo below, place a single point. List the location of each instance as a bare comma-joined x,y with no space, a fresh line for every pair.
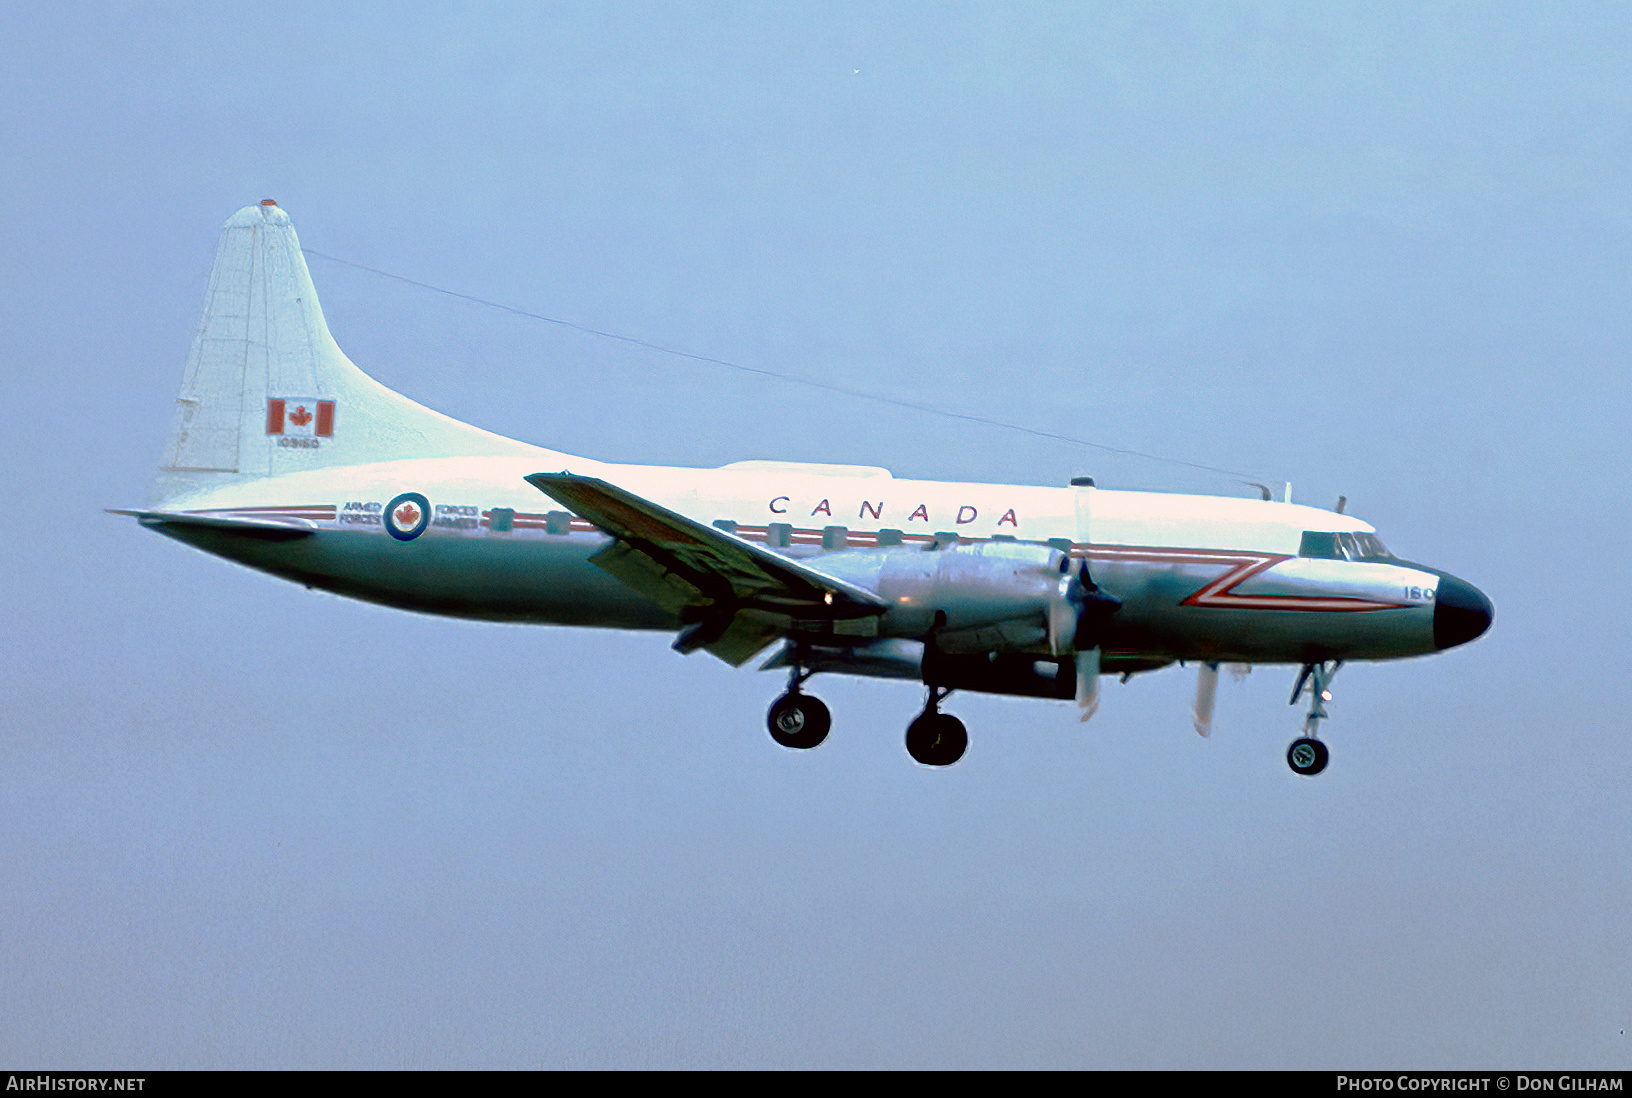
1375,250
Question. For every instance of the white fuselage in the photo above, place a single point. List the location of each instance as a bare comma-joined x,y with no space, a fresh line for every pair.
1199,577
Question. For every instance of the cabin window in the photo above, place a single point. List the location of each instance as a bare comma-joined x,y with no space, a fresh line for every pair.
835,537
888,537
726,524
779,535
558,522
502,520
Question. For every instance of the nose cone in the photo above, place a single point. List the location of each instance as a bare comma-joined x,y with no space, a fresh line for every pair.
1461,612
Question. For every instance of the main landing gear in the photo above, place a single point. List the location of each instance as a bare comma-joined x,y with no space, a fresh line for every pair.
1307,755
800,721
935,738
797,719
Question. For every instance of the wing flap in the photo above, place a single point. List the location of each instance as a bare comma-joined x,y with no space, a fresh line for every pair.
646,574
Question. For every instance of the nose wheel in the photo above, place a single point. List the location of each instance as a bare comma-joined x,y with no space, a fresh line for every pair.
1307,755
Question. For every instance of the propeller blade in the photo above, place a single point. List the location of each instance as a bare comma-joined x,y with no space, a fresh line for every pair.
1087,682
1206,695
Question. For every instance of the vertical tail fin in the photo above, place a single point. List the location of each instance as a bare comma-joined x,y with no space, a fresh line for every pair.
267,391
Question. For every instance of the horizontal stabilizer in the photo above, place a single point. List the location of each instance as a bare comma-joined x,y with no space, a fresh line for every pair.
265,528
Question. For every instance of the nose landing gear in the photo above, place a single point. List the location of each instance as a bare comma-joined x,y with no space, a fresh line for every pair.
1307,755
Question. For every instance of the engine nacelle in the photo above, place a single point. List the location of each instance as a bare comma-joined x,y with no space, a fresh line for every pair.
995,596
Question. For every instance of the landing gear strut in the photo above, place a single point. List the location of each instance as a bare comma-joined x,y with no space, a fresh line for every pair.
1307,755
936,738
796,719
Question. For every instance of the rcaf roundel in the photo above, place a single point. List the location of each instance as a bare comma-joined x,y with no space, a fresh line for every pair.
300,417
407,516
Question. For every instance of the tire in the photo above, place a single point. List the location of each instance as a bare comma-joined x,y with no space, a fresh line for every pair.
1307,757
798,721
937,739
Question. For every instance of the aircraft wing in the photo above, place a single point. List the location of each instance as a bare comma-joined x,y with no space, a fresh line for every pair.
737,596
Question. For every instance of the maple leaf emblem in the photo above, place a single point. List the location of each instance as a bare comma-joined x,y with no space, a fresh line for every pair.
300,417
406,516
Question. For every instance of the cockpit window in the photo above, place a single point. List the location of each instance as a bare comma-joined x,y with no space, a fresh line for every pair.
1327,545
1372,547
1320,544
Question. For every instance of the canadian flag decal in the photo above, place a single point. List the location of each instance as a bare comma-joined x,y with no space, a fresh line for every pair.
305,417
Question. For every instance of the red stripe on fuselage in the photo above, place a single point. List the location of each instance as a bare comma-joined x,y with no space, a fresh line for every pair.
1218,594
1242,565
